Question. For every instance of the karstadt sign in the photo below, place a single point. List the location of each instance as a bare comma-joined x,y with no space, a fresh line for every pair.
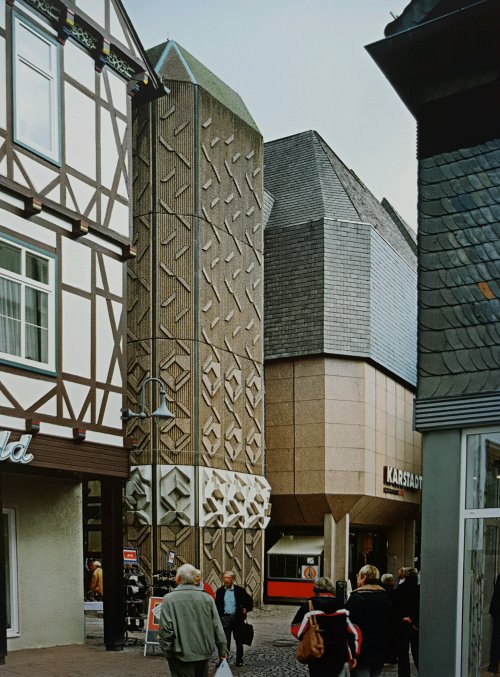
17,452
402,479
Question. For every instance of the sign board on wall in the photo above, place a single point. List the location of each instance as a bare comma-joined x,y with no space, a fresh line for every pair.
17,452
401,479
309,572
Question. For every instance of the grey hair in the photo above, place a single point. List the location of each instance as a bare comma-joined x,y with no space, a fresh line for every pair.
386,577
186,574
229,573
323,584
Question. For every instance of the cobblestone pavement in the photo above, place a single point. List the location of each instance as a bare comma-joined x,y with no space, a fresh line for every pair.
272,653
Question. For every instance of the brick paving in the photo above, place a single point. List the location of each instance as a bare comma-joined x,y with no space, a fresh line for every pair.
272,653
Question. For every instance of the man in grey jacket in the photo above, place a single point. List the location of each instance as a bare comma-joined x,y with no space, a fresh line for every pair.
190,627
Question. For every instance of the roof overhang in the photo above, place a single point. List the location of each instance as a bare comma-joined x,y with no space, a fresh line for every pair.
443,57
298,545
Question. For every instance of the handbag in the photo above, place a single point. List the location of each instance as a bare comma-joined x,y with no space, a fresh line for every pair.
312,644
245,633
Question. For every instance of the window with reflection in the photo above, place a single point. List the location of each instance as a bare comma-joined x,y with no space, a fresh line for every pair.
36,90
483,471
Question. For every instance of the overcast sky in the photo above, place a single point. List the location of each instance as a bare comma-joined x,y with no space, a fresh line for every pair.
299,65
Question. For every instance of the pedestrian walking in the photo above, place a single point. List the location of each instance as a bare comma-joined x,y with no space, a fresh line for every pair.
233,604
405,601
190,627
342,639
370,608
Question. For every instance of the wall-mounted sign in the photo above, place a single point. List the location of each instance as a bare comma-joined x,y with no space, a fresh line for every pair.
402,479
309,572
17,452
130,556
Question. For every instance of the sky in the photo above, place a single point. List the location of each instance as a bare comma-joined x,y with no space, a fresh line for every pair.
300,65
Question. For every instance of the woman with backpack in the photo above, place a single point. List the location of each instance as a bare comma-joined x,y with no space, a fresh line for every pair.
341,639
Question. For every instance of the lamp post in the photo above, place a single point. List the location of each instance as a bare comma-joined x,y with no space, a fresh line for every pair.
162,413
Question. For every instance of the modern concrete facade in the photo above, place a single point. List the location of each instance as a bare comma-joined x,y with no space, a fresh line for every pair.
195,321
340,350
439,57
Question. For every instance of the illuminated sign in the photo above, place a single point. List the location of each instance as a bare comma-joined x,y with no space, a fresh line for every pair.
17,452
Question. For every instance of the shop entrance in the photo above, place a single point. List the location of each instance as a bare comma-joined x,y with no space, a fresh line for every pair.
366,546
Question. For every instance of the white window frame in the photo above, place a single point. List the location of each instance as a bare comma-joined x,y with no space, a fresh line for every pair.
13,631
465,514
50,290
49,152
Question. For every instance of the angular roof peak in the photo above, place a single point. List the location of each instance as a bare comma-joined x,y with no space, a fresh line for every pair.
310,182
172,62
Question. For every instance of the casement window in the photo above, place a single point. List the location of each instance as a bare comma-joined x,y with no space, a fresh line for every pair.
9,528
36,90
27,306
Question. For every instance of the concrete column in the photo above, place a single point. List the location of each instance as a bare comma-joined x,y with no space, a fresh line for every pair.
341,567
329,551
401,546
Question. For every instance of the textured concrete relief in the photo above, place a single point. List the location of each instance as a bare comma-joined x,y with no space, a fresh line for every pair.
175,505
137,502
230,499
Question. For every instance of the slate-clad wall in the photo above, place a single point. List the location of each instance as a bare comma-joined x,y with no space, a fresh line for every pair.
347,288
459,322
393,310
293,299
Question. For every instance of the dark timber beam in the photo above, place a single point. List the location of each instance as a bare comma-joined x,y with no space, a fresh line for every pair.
112,551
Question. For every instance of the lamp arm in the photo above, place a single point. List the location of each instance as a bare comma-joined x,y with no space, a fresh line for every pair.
150,379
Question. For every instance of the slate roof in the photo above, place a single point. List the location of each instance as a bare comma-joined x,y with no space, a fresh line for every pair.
310,182
459,283
202,76
423,11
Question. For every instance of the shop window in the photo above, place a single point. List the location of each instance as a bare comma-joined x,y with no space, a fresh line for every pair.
483,471
36,90
27,306
9,526
294,567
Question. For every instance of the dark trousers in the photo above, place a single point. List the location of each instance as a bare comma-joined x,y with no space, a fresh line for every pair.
230,625
180,668
407,640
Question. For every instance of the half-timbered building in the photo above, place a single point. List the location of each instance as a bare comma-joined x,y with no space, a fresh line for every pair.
68,73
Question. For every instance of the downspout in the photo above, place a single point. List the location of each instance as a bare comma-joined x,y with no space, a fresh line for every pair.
196,329
154,318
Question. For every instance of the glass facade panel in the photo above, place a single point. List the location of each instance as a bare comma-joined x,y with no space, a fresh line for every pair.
481,607
483,471
10,317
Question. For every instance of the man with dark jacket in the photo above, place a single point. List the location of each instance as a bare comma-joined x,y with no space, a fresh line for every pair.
233,603
405,602
369,607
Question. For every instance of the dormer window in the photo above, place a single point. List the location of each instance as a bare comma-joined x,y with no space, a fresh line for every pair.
36,90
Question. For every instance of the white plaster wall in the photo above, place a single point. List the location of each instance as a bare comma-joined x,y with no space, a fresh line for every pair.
50,560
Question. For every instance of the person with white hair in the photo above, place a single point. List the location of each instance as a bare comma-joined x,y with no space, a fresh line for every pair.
190,627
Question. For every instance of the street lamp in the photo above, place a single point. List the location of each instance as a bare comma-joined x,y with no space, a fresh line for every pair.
162,413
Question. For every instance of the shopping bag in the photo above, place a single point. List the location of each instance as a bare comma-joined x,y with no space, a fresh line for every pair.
244,633
223,670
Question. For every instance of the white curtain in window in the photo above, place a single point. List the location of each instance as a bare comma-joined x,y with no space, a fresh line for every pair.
10,317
